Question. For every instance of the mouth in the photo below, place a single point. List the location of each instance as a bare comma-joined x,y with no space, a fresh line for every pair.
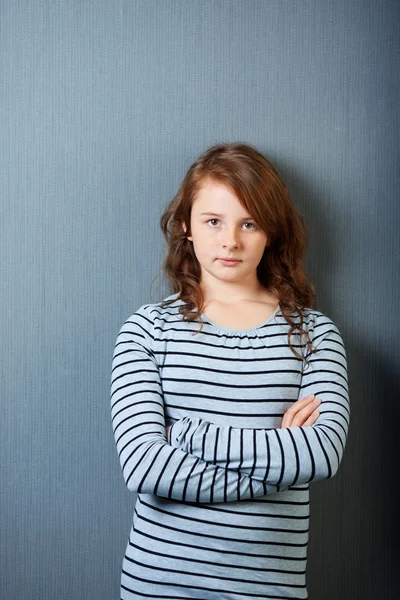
231,261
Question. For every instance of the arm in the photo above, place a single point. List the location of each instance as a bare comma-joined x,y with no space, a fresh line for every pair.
150,465
290,456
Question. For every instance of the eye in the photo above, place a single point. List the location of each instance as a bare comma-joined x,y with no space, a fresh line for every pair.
253,225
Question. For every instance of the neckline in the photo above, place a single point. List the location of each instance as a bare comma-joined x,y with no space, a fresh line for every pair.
238,331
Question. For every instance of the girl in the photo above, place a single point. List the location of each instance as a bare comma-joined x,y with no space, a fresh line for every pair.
221,428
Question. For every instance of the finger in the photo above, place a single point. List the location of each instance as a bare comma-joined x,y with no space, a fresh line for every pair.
286,420
297,418
298,406
303,398
299,411
303,414
303,401
311,419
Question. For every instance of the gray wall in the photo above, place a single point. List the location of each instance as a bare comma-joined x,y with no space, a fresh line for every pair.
103,106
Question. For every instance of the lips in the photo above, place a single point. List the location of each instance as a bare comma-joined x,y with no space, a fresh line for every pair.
231,261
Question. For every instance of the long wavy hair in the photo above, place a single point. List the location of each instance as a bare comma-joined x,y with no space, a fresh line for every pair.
261,190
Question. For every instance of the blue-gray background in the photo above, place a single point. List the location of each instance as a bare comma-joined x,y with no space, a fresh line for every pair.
104,105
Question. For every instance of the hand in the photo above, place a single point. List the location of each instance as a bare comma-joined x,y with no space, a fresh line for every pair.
167,432
302,413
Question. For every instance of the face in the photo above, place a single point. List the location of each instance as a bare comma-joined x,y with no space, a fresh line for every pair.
222,228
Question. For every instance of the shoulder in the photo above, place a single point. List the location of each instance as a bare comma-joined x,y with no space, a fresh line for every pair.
323,331
149,317
318,323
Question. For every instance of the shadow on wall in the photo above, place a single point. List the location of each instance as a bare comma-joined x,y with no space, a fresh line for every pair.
354,519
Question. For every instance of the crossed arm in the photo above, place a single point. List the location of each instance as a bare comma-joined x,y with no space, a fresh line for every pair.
150,465
209,463
291,455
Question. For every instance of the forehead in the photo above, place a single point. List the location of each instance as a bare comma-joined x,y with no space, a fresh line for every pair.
216,197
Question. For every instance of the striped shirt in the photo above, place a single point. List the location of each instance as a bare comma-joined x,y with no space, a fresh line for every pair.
222,508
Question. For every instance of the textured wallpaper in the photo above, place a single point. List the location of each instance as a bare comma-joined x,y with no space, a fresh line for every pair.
104,105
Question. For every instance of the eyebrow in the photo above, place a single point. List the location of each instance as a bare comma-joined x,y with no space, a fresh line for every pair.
211,214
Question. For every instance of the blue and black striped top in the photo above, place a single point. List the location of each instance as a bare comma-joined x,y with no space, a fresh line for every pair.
222,508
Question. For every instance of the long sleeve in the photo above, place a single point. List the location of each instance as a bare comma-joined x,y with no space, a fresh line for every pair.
289,456
150,465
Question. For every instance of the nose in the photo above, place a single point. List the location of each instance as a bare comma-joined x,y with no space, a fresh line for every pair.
230,239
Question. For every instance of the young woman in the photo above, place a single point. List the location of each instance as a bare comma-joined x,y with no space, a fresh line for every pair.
230,396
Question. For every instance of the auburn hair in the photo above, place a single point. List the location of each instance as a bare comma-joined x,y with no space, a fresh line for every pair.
258,186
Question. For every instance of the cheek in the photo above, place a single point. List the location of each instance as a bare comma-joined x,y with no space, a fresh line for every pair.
206,236
261,242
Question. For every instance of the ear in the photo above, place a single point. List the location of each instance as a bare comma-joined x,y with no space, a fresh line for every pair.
184,229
